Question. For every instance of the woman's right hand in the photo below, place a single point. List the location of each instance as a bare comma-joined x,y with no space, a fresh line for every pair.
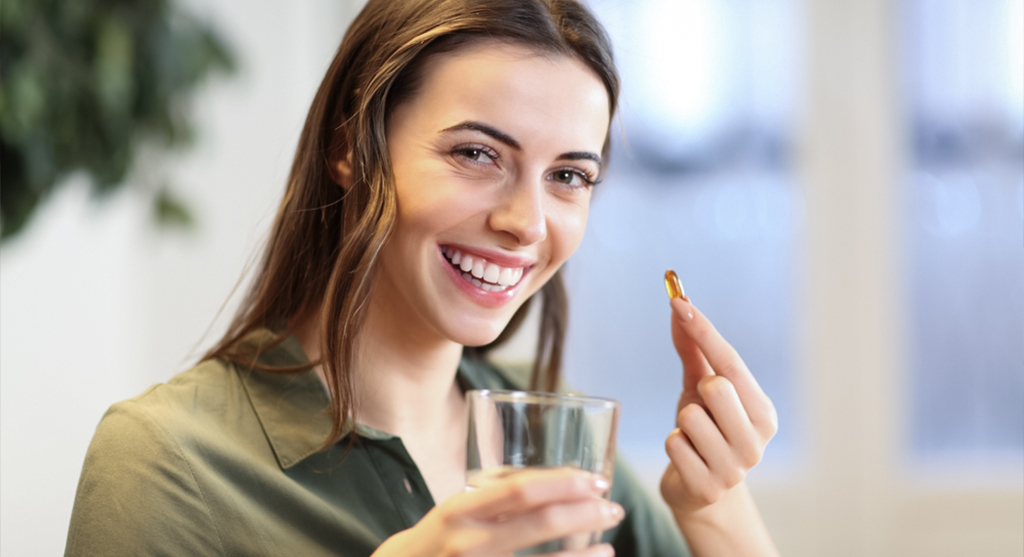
513,513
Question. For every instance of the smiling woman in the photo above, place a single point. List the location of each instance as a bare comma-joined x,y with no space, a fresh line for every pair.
442,179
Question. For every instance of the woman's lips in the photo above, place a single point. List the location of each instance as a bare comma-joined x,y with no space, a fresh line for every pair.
486,282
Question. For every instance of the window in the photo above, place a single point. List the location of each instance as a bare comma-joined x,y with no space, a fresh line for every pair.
699,182
966,228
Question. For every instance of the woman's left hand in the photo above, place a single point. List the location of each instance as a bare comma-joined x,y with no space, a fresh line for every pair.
724,420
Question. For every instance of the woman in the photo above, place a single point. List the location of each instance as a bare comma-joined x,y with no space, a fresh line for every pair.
442,179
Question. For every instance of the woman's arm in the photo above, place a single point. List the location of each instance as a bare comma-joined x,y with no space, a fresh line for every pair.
724,421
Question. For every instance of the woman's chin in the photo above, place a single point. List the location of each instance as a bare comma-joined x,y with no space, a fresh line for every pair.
478,334
475,340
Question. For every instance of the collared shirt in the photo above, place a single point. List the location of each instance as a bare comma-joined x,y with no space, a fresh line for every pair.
223,460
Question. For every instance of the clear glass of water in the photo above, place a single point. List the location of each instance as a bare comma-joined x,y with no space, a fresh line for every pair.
510,431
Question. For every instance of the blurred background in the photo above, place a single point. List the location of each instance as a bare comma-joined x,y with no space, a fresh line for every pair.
840,186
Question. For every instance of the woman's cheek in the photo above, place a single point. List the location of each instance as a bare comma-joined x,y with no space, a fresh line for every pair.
573,227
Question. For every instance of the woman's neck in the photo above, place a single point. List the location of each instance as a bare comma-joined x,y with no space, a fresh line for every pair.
404,378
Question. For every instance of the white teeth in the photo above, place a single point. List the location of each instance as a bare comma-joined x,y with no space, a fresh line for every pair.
491,273
484,285
493,287
483,275
505,278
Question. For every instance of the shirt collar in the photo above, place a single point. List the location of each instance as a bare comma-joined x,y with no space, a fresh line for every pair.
292,408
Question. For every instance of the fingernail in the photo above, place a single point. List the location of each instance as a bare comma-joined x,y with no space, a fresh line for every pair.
615,510
687,314
601,484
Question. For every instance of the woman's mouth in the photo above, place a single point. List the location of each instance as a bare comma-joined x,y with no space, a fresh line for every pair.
481,273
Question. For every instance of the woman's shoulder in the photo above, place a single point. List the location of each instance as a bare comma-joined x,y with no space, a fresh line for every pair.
143,457
178,458
169,418
148,431
198,393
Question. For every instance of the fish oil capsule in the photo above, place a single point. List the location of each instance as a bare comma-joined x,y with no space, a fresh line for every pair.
673,286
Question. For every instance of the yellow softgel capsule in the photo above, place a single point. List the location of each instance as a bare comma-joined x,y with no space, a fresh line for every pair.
673,286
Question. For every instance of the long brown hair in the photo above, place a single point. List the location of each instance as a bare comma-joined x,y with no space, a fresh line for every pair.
326,240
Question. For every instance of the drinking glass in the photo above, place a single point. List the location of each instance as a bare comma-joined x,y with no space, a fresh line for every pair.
510,431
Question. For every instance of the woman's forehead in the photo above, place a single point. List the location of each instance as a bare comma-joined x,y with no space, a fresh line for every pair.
528,94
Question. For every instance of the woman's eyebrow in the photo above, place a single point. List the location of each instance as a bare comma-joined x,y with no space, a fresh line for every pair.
484,128
511,142
580,155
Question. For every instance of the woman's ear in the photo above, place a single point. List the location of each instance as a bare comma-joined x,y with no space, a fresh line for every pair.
341,170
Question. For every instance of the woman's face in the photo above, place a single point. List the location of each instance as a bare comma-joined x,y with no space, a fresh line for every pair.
494,159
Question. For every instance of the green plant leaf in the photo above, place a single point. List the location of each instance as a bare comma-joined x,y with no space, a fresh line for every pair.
170,211
82,82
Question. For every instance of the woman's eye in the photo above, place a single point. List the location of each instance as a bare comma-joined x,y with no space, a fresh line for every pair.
571,178
475,154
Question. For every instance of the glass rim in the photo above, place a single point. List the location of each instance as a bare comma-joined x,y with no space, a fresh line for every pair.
542,398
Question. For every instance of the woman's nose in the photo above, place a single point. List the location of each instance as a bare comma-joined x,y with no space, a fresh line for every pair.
521,213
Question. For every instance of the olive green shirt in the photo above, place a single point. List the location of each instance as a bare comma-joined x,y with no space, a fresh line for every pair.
223,460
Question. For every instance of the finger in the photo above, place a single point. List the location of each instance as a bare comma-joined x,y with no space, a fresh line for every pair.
729,415
725,408
529,489
725,361
686,460
695,366
576,521
704,435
